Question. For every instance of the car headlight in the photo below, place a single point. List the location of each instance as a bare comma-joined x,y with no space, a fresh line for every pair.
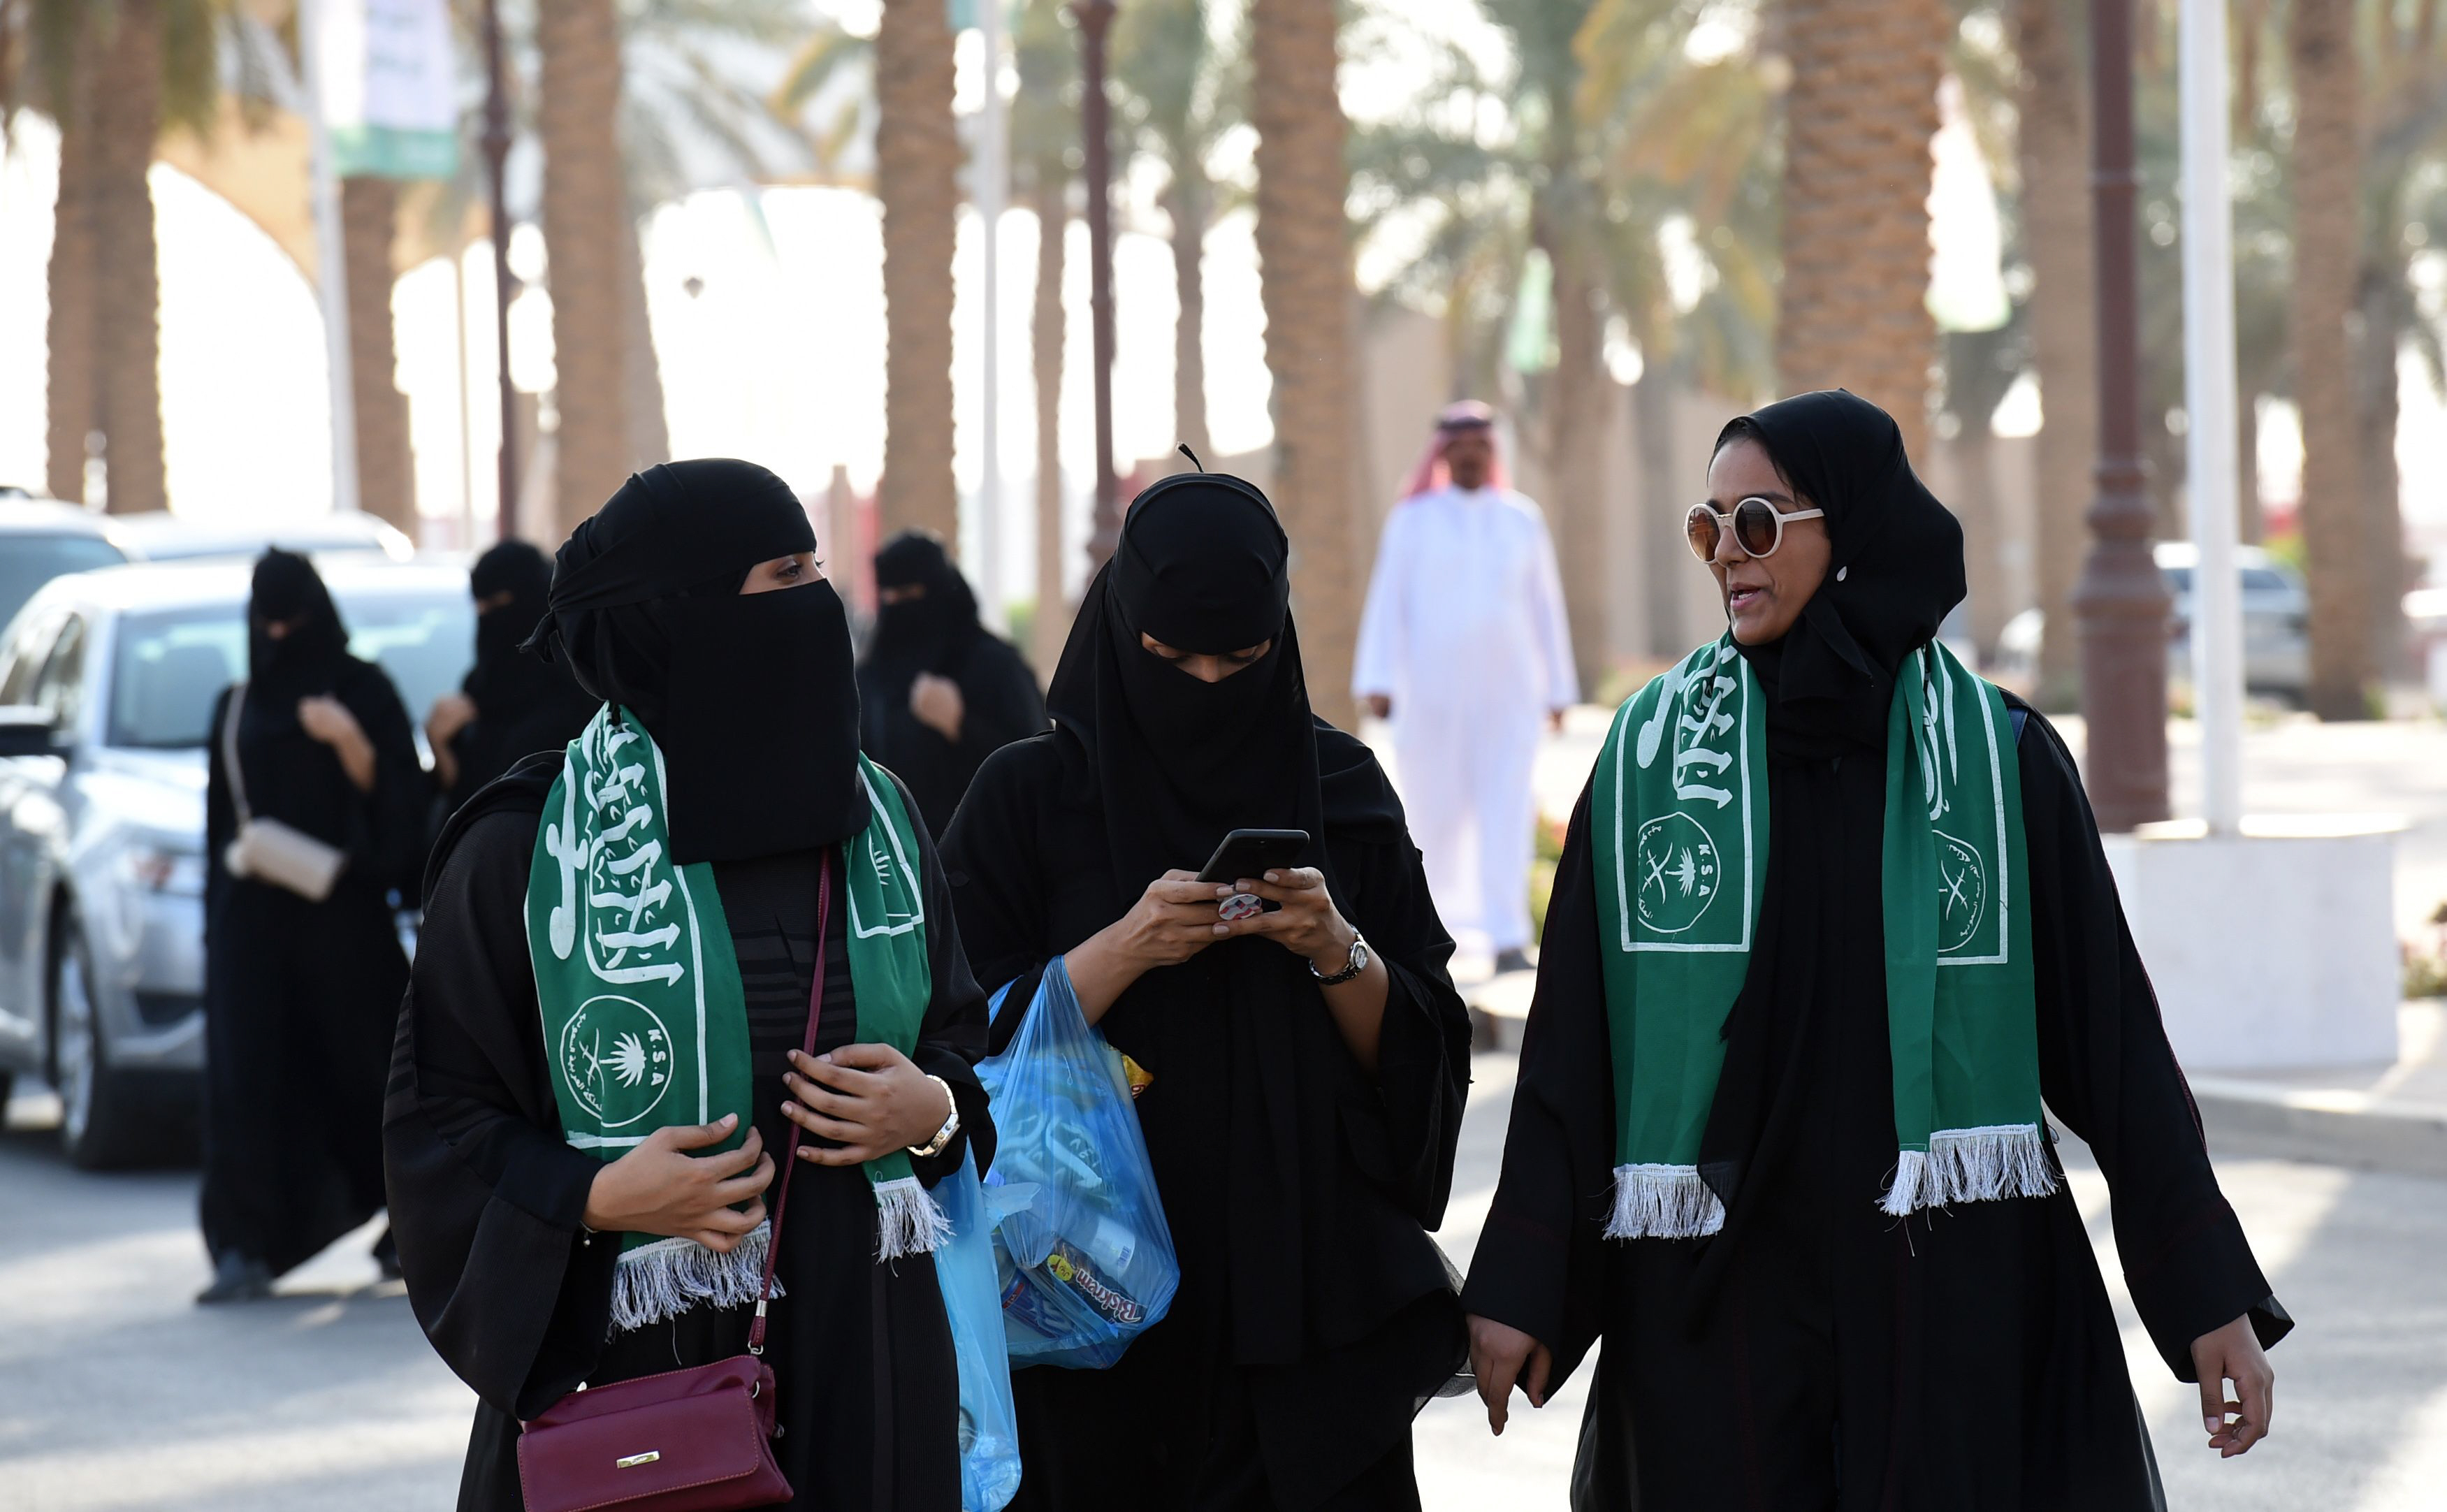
162,869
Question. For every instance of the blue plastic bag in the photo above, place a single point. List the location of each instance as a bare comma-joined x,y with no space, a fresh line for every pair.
964,1268
1082,1254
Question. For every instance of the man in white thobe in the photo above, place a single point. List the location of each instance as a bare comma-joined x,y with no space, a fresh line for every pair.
1464,647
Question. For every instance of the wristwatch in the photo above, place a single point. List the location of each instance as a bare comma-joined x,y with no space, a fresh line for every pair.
951,1124
1358,963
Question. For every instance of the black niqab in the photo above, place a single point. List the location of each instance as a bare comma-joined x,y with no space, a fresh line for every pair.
1204,567
927,633
752,698
307,654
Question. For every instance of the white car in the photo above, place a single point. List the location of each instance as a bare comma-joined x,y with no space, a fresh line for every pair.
2276,642
107,681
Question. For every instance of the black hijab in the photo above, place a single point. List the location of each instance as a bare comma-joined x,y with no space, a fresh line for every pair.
310,655
504,674
1203,566
1894,571
927,633
752,699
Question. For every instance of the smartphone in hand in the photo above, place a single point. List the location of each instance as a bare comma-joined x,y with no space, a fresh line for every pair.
1252,853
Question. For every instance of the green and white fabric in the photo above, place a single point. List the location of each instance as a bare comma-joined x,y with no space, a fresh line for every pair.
645,1022
1679,841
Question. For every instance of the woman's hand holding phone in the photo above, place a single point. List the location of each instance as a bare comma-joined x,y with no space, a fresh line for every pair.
1172,920
1307,925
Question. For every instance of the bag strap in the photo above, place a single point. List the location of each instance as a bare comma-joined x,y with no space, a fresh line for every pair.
790,1154
229,752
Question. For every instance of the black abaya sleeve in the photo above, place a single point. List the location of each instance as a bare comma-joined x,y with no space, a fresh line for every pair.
952,1039
1541,1262
388,835
1403,1126
486,1198
2106,1070
989,858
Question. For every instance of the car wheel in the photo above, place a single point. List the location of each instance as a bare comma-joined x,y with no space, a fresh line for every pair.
97,1107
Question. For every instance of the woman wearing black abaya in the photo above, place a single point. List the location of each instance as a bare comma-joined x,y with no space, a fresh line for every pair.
535,1260
1307,1087
1840,1296
937,691
512,704
299,996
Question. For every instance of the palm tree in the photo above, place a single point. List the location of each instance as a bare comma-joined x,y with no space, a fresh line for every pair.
386,465
1045,135
1858,120
585,219
917,158
126,119
2328,203
1304,257
2052,156
1178,94
74,386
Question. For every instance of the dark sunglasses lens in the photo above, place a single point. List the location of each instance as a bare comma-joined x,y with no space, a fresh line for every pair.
1699,529
1754,526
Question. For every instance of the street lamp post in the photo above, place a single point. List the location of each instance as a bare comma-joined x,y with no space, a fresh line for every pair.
2120,599
1095,19
497,153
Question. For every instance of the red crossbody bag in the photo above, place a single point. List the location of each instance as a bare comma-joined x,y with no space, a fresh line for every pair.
698,1440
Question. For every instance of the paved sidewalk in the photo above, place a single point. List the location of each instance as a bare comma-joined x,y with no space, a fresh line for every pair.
2382,1118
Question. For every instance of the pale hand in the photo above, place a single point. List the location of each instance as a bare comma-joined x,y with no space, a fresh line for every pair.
935,702
328,720
1172,920
871,1098
659,1188
452,712
1308,924
1501,1355
1380,705
2234,1353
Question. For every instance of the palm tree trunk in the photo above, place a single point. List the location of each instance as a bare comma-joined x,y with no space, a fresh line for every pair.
1983,534
1859,116
74,377
917,165
386,466
642,372
2384,297
2251,525
584,222
1304,257
1664,562
126,120
2053,144
2327,264
1187,203
1578,391
1051,623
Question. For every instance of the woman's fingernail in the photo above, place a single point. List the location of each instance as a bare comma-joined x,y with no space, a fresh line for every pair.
728,1119
1274,877
1222,892
788,1108
826,1059
2212,1424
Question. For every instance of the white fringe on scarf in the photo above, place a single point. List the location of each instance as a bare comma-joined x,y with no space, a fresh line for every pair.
1662,1203
909,1218
664,1279
1971,1165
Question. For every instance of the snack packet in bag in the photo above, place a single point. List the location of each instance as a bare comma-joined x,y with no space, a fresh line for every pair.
1082,1254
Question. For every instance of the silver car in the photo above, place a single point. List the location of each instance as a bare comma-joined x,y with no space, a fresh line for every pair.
107,681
